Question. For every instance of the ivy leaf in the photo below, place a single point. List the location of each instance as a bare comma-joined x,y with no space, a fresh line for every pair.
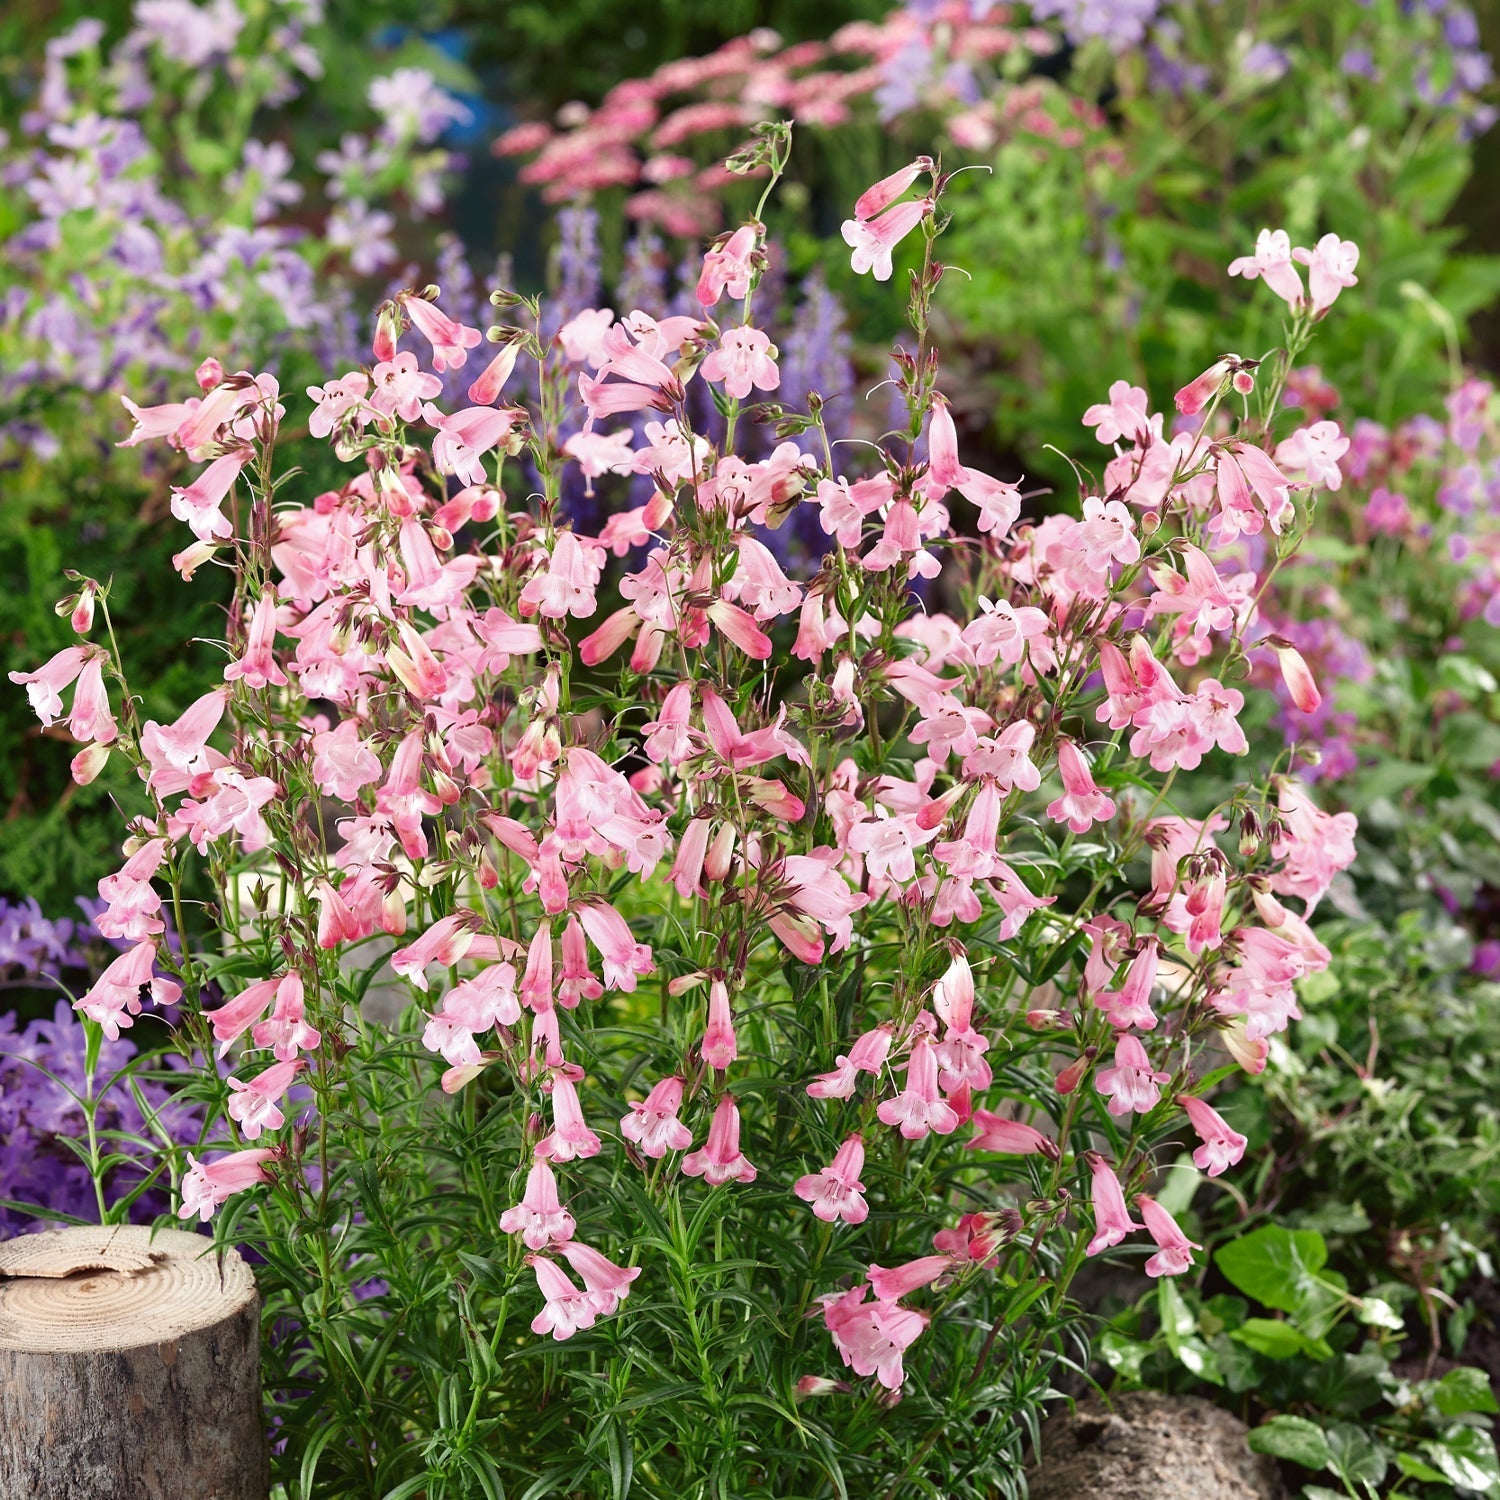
1466,1456
1357,1457
1279,1267
1293,1438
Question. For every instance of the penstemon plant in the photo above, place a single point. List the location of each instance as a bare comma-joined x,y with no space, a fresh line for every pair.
817,967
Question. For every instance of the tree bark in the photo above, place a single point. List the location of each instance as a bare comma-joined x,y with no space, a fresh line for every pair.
129,1367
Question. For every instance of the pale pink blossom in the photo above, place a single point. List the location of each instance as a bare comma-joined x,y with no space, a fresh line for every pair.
720,1159
873,240
1112,1221
652,1124
1330,268
206,1185
745,357
1131,1086
919,1108
539,1218
256,1104
836,1193
1222,1145
1174,1255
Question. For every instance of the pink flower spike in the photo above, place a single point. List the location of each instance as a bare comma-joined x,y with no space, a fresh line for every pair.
1112,1221
1222,1145
539,1218
567,1308
255,1105
873,240
882,194
607,1284
1008,1138
1130,1086
653,1124
208,1184
901,1281
720,1159
1174,1254
836,1193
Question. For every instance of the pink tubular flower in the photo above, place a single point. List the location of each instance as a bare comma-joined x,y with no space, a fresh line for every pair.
180,746
567,1308
1174,1254
653,1124
1194,396
115,996
1222,1146
445,942
404,800
131,905
867,1055
873,240
198,504
719,1047
44,687
287,1032
257,668
720,1159
235,1017
566,584
255,1105
606,1284
890,1285
1131,1086
1008,1138
539,1218
343,762
745,357
882,194
919,1107
1124,415
1130,1005
570,1136
1272,262
728,268
208,1184
1297,675
623,959
872,1337
1330,268
485,390
91,719
1112,1221
1082,803
836,1192
450,340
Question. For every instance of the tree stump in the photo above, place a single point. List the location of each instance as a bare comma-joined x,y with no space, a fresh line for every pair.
129,1366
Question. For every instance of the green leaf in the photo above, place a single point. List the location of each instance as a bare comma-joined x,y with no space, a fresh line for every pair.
1278,1340
1356,1457
1464,1389
1275,1265
1414,1468
1293,1438
1466,1456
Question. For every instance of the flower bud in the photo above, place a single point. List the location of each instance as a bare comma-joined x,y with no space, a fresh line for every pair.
209,374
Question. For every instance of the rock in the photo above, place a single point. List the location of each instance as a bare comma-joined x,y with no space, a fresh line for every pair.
1150,1447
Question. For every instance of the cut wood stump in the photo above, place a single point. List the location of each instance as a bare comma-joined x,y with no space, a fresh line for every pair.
129,1367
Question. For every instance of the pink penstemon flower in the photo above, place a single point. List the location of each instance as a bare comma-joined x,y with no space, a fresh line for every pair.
720,1159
